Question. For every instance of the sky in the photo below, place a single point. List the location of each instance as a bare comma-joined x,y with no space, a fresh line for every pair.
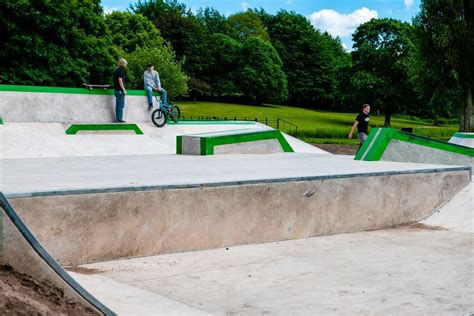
337,17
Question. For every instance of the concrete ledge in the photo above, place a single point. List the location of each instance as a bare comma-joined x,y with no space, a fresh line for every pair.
393,145
463,139
243,141
20,249
88,227
75,128
69,105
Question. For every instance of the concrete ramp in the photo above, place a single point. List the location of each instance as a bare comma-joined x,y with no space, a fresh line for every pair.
20,249
392,145
463,139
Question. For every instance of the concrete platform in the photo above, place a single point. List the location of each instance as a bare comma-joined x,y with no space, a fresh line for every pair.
44,140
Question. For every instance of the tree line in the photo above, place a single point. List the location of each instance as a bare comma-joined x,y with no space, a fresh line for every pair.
424,68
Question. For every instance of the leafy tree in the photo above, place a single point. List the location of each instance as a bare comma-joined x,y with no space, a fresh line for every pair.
213,21
261,75
181,28
62,43
309,57
225,55
247,24
444,33
130,31
381,51
171,75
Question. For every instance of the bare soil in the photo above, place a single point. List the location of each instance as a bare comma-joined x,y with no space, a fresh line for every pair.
22,295
339,149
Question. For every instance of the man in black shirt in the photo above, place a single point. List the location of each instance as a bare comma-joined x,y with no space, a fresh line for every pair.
362,122
119,89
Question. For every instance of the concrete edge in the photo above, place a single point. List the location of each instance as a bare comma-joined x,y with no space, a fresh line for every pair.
46,257
234,183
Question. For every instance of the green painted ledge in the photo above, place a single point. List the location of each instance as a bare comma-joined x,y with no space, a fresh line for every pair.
43,89
379,139
1,120
210,122
74,128
463,135
209,141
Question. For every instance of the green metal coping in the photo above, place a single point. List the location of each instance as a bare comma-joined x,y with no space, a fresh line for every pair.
1,120
379,139
209,142
74,128
210,122
464,135
43,89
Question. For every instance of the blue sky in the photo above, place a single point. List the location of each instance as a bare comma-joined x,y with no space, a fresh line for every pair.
338,17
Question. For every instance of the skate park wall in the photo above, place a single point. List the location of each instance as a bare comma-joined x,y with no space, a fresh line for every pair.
463,139
110,224
68,105
392,145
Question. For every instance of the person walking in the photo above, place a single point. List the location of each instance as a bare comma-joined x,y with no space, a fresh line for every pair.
119,90
152,83
362,123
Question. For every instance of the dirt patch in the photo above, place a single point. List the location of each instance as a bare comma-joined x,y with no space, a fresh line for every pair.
22,295
82,270
418,226
338,149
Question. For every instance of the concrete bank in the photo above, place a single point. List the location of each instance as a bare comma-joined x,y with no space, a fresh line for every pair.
167,212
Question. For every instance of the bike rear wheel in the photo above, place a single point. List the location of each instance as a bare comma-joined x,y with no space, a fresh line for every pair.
158,117
175,113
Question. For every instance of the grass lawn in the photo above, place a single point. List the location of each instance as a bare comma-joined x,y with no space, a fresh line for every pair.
313,125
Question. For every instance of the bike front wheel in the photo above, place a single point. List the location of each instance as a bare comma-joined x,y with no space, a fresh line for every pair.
158,117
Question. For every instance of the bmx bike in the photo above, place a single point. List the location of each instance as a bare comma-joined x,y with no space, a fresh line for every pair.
160,116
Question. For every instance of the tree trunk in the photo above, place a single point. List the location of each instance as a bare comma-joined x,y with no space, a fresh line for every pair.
388,116
465,121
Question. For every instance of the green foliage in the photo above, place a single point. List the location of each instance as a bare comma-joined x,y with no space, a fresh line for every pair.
245,25
172,77
60,43
130,31
310,59
225,54
261,75
380,55
213,21
442,65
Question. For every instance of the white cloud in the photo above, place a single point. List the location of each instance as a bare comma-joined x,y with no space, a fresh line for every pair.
345,46
408,4
339,24
108,10
244,6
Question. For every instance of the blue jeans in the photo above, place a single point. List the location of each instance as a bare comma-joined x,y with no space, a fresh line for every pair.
119,104
149,94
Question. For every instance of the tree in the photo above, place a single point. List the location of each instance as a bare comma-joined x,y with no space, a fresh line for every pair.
247,24
381,51
225,55
62,43
213,21
261,75
309,57
179,26
130,31
444,33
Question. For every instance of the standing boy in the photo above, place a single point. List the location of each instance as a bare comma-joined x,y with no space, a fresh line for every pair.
362,122
119,89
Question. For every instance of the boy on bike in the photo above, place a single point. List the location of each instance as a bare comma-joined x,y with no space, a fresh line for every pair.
152,83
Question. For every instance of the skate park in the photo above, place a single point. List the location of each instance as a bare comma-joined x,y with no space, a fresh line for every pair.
132,223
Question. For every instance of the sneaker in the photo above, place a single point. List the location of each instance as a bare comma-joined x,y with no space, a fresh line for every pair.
150,106
121,121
